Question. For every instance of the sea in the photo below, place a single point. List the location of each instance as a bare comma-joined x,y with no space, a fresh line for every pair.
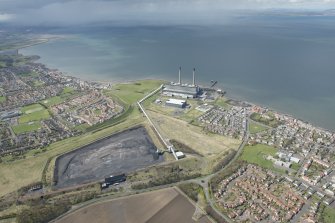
286,63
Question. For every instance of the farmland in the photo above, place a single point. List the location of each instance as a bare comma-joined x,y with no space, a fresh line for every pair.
167,205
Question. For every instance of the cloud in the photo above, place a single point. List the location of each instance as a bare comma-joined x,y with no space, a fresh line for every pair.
72,12
6,17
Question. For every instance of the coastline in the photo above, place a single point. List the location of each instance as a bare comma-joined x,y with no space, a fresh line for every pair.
42,40
34,44
233,99
229,97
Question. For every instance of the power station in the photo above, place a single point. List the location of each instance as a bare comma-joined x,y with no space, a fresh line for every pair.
181,90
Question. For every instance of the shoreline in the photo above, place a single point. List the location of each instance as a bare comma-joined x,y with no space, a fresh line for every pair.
33,44
229,97
42,40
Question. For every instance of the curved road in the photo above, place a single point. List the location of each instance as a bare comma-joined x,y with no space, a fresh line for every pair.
204,182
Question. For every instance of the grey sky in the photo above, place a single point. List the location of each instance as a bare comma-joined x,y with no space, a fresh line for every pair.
72,12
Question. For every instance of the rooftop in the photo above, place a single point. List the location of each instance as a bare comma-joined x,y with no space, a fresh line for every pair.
176,101
181,88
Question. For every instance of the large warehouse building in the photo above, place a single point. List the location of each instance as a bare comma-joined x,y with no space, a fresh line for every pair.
181,90
176,103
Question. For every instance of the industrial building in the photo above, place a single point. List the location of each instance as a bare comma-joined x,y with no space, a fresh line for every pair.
181,90
113,180
176,103
180,155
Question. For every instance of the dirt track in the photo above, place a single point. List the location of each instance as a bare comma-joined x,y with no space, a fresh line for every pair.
120,153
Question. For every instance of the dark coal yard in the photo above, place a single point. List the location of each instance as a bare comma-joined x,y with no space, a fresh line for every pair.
120,153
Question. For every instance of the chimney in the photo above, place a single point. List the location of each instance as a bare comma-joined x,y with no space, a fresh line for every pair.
179,76
193,76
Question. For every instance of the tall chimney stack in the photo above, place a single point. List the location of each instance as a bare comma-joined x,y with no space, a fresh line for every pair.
179,75
193,76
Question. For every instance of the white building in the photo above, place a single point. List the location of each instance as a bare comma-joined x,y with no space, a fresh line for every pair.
295,159
176,103
180,155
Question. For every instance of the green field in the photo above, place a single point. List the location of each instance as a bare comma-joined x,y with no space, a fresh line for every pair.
32,108
64,95
34,112
53,101
82,127
35,116
26,127
68,90
2,99
328,215
268,119
132,92
295,166
256,154
255,128
191,115
222,102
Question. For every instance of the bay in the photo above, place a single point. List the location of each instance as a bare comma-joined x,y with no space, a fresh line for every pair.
287,64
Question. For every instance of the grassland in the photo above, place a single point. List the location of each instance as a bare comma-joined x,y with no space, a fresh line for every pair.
295,166
64,95
256,154
328,215
53,101
26,127
32,108
132,92
29,121
34,116
193,136
222,102
267,119
255,127
68,90
2,99
191,115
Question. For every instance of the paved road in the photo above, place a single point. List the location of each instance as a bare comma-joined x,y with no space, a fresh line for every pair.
205,180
